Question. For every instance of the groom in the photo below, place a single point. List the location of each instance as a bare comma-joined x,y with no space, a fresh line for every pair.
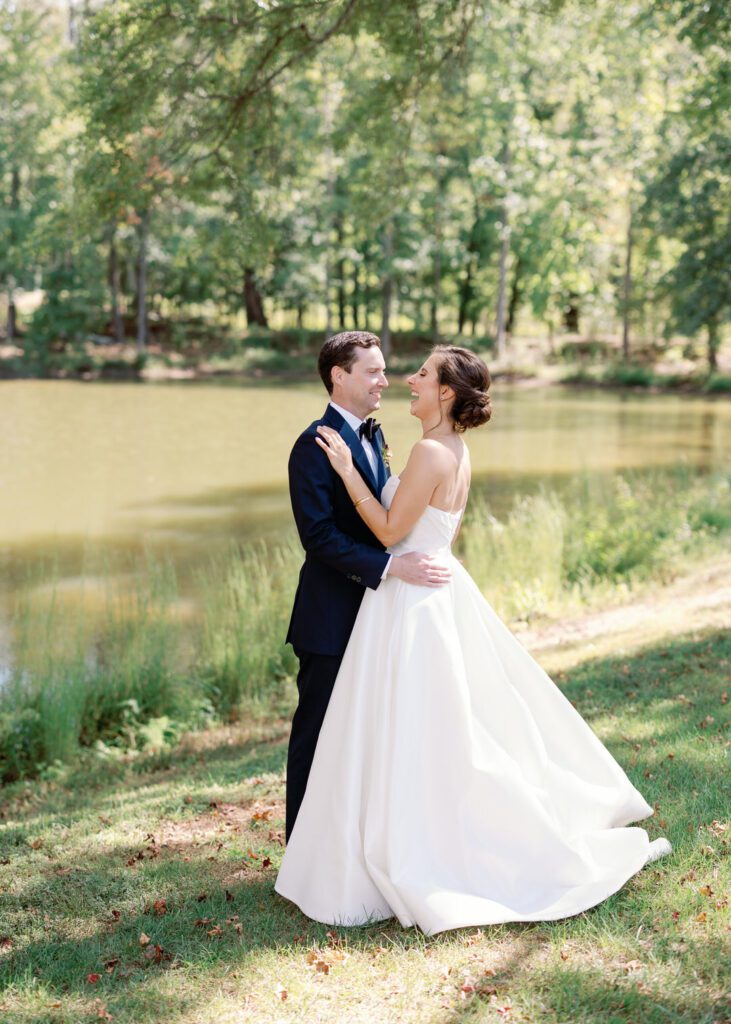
342,556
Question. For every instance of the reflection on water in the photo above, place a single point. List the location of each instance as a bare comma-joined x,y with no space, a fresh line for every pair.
91,475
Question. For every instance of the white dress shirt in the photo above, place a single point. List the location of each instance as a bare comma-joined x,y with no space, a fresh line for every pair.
354,422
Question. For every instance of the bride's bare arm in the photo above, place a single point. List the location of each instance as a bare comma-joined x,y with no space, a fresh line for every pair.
423,472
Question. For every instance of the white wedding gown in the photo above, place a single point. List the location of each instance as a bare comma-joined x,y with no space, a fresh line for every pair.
453,784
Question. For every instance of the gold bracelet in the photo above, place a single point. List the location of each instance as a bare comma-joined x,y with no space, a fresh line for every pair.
361,500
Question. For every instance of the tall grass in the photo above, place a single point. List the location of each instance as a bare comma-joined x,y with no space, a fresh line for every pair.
89,671
129,670
600,535
247,598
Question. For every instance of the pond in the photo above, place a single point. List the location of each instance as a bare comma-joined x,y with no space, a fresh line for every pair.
101,473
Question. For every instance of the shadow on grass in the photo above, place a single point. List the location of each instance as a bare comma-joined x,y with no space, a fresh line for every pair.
220,906
592,996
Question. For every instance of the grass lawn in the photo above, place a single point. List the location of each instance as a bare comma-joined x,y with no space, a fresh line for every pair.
144,893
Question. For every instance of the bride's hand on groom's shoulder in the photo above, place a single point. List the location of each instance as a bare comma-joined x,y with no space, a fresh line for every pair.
337,451
420,570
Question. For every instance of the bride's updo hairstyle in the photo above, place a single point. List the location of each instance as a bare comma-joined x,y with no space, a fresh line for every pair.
469,378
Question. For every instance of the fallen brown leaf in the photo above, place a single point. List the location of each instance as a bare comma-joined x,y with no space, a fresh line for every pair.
102,1013
264,815
157,954
477,936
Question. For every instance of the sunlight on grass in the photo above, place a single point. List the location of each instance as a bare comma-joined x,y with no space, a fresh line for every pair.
185,854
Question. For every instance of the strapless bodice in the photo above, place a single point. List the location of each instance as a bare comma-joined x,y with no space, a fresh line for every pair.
433,531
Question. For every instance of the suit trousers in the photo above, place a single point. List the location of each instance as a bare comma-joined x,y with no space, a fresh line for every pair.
315,681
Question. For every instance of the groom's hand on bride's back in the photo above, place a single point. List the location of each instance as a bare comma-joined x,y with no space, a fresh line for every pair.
421,570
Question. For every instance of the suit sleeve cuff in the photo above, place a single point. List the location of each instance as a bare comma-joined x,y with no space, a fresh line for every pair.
384,574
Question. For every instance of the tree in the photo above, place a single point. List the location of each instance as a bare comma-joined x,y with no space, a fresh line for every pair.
690,198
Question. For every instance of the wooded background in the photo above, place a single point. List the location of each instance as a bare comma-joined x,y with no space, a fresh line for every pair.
343,163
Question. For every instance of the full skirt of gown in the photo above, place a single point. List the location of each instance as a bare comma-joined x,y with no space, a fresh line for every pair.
453,784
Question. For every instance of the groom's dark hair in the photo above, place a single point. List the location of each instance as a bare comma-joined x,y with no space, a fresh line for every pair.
340,351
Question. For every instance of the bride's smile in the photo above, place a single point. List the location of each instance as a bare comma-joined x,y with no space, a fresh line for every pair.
424,384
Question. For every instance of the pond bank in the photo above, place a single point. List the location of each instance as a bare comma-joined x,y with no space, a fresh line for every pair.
171,861
266,364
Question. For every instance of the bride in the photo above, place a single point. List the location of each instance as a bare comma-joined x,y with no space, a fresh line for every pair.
453,784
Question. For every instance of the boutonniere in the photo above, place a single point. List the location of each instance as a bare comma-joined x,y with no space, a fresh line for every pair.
386,454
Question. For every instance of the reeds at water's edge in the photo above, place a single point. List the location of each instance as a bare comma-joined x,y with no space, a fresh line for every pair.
129,678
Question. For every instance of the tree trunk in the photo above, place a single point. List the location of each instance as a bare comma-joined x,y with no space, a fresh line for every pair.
355,296
366,288
386,291
437,279
142,332
114,276
571,314
253,301
515,294
434,304
503,265
713,344
465,295
627,290
12,321
300,316
467,288
328,120
502,291
340,272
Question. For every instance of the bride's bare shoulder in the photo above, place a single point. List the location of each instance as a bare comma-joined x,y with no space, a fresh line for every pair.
428,448
426,454
432,450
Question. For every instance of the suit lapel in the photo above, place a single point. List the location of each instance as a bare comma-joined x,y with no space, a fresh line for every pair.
332,418
383,469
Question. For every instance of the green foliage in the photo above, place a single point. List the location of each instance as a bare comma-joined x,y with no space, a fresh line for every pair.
628,375
132,681
718,384
247,607
597,535
75,685
344,164
69,313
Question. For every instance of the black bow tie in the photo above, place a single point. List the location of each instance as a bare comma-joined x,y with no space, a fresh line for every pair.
368,428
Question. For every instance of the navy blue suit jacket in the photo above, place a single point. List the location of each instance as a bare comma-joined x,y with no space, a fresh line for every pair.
342,556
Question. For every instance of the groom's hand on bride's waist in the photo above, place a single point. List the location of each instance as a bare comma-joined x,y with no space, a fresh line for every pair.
421,570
